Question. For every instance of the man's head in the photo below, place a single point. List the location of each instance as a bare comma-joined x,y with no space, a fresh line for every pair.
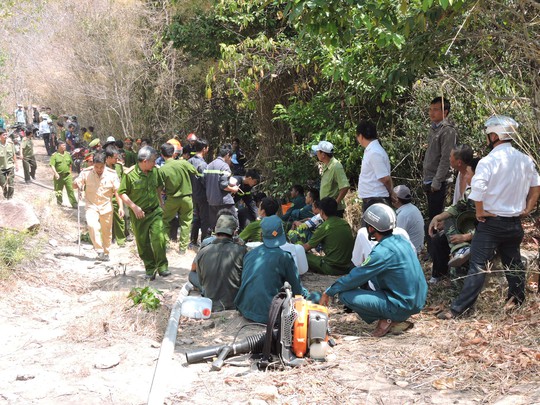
20,106
111,155
61,146
439,109
186,151
252,178
167,150
461,156
312,196
380,220
147,158
500,128
366,131
201,146
328,207
191,138
297,190
225,152
71,127
403,194
99,162
272,231
3,135
226,225
236,143
324,151
269,206
94,144
91,129
128,143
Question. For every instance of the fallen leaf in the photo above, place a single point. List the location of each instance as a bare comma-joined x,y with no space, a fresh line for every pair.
446,383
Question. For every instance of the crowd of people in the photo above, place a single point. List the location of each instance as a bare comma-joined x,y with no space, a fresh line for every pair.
248,244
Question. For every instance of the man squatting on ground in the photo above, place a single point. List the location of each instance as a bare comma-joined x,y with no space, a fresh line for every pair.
504,188
100,184
392,267
140,189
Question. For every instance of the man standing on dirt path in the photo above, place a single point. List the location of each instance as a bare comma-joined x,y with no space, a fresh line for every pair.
397,285
505,187
334,182
140,189
61,163
175,177
8,164
119,224
27,155
100,184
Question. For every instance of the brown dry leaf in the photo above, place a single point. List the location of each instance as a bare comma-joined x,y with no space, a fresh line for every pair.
475,341
537,356
231,380
471,334
447,383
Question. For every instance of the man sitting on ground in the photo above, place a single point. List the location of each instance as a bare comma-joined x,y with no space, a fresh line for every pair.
394,271
337,241
409,216
252,233
266,268
218,266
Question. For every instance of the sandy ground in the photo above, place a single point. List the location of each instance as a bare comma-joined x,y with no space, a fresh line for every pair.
70,336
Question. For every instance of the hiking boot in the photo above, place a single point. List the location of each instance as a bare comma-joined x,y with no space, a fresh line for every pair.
165,273
150,277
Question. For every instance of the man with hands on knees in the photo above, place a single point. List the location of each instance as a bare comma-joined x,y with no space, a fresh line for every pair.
390,285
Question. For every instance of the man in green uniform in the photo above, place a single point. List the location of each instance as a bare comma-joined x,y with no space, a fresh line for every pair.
140,190
61,166
119,225
337,241
175,176
334,182
28,159
131,156
8,164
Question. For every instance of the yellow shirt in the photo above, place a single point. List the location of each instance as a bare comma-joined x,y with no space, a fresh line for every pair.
99,190
87,137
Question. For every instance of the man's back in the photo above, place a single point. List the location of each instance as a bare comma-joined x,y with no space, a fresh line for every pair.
336,237
265,270
216,177
219,266
410,218
175,175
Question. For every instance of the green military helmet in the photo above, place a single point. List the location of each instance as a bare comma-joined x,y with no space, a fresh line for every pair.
466,222
94,143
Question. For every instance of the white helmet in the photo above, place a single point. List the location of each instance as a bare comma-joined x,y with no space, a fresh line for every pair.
505,127
380,216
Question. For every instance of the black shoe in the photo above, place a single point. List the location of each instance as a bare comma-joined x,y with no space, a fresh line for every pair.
129,238
150,277
165,273
102,257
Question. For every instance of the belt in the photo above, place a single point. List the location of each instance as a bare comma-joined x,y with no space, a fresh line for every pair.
505,219
150,210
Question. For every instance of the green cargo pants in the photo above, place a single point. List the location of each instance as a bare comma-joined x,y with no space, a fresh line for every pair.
119,225
65,180
151,241
184,207
318,265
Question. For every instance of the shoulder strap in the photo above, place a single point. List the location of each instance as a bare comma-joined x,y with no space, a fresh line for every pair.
274,313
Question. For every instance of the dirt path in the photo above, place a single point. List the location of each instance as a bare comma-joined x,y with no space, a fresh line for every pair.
70,336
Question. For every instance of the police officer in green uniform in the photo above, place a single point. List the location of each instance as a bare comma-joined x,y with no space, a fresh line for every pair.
140,190
61,166
119,225
175,176
8,164
29,159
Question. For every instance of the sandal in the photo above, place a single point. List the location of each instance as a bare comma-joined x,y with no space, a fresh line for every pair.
383,327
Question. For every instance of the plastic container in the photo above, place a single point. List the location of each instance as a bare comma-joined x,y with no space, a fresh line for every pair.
197,307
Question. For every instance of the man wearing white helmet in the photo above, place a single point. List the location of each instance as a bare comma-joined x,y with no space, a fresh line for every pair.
505,187
392,268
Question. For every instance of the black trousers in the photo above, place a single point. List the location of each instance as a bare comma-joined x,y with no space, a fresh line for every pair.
201,220
48,145
435,202
505,236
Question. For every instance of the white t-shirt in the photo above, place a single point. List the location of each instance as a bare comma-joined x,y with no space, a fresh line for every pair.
297,252
410,218
363,246
375,166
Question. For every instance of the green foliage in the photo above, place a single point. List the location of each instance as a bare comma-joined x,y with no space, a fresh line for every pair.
12,250
147,297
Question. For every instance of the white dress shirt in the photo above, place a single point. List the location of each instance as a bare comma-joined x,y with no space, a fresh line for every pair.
502,181
363,246
375,166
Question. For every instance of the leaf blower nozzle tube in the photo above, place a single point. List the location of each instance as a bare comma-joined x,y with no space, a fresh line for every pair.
253,344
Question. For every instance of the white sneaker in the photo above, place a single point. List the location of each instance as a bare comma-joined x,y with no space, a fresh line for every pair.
434,280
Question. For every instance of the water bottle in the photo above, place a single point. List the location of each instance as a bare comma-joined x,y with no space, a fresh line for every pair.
197,307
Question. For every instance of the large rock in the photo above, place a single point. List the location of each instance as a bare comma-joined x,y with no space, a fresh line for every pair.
18,215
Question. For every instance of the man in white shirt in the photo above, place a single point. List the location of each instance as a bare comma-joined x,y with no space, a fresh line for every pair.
374,182
409,216
505,187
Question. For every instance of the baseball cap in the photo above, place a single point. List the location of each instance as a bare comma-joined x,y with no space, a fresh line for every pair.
403,192
323,146
272,231
226,224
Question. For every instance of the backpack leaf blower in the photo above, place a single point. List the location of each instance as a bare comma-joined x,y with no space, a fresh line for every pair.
296,329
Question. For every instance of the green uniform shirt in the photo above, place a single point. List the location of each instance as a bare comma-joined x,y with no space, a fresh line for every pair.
252,232
61,162
27,147
333,179
130,158
175,176
141,188
337,240
7,155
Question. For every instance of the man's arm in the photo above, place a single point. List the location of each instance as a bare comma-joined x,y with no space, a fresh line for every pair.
437,223
120,204
139,213
447,143
388,184
342,193
532,199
